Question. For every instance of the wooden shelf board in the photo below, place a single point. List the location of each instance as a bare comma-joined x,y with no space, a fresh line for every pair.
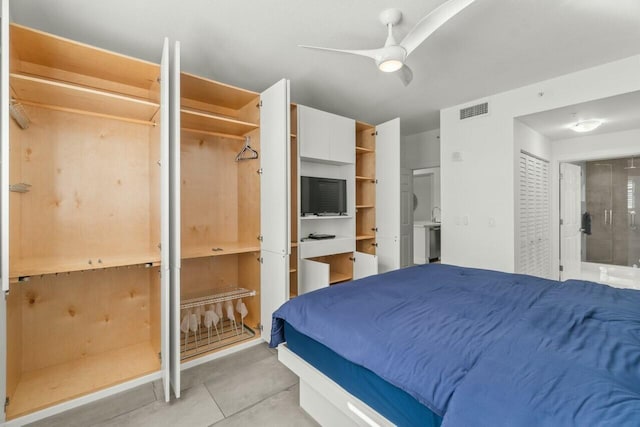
211,92
56,95
56,53
365,237
55,384
294,244
228,248
364,206
292,270
362,150
310,217
365,178
192,119
293,135
336,277
360,126
292,295
52,265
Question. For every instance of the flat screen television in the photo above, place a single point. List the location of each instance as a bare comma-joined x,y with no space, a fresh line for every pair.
323,196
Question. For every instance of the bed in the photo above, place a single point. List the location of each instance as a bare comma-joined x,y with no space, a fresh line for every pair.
443,345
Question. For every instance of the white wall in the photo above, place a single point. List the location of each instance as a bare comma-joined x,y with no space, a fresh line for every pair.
595,147
478,193
422,185
421,150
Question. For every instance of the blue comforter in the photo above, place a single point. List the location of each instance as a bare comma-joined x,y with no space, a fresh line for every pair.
480,347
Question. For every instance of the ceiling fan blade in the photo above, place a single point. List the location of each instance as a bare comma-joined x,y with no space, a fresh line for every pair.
405,74
430,23
369,53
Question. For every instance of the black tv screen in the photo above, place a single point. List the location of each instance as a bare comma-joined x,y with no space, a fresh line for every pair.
323,196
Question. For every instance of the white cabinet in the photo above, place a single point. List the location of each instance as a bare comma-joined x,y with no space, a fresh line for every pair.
388,195
325,137
364,265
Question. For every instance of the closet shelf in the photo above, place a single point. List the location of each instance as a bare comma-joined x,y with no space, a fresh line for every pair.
53,265
336,277
365,237
60,96
314,217
205,91
48,386
365,178
362,150
219,249
208,122
292,270
364,206
222,295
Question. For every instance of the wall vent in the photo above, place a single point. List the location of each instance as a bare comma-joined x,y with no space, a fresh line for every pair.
474,110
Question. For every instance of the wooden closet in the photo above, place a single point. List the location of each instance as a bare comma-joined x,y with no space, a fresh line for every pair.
85,157
230,227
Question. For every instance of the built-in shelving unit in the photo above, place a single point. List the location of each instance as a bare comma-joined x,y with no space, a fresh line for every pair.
365,188
83,311
294,179
220,209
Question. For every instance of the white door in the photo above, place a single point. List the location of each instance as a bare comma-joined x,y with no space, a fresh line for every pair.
570,221
174,220
314,133
4,192
388,195
313,276
275,201
406,217
364,265
165,206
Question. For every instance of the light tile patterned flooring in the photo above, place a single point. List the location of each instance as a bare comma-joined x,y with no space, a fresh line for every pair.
248,388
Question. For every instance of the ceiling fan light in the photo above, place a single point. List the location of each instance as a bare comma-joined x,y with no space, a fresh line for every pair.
390,65
586,125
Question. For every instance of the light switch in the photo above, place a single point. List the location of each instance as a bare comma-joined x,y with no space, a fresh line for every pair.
456,156
492,222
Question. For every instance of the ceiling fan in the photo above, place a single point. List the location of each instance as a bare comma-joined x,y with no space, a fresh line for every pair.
393,55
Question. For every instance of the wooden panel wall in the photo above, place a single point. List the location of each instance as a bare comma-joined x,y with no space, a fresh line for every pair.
249,278
72,316
205,275
90,186
209,189
155,315
248,194
14,339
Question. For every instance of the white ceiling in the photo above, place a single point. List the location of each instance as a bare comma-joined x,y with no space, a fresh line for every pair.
618,113
492,46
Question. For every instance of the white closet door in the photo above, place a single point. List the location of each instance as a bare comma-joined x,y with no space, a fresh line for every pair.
165,205
275,198
533,256
388,195
4,193
275,201
364,265
314,275
174,219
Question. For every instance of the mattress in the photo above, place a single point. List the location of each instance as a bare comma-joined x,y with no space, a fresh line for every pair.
388,400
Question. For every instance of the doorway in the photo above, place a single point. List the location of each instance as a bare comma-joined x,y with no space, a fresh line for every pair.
426,215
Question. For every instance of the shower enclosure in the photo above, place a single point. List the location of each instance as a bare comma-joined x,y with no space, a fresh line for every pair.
611,198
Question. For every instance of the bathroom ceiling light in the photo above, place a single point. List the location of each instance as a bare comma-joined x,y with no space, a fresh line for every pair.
586,125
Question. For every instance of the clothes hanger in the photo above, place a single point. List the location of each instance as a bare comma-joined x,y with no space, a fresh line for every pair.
252,154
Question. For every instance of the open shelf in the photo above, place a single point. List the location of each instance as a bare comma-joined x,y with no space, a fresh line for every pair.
194,120
218,249
43,54
337,277
364,206
73,98
209,92
52,265
365,237
48,386
365,178
362,150
292,270
314,217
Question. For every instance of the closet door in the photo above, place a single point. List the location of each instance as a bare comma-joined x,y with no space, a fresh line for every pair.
165,204
4,192
388,195
364,265
275,201
174,219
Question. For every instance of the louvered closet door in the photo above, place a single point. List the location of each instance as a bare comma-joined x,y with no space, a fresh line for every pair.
533,217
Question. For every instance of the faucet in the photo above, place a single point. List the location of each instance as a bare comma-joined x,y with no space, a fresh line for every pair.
433,215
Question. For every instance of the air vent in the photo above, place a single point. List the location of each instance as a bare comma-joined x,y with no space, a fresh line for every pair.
474,110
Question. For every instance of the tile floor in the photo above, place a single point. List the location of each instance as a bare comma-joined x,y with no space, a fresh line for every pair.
249,388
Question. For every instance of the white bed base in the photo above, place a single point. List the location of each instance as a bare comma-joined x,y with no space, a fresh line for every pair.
327,402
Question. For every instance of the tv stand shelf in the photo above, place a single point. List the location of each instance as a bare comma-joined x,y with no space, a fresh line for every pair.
315,248
307,217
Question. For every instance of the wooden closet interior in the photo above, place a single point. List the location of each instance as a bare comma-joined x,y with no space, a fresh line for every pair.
365,188
220,215
83,310
294,178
